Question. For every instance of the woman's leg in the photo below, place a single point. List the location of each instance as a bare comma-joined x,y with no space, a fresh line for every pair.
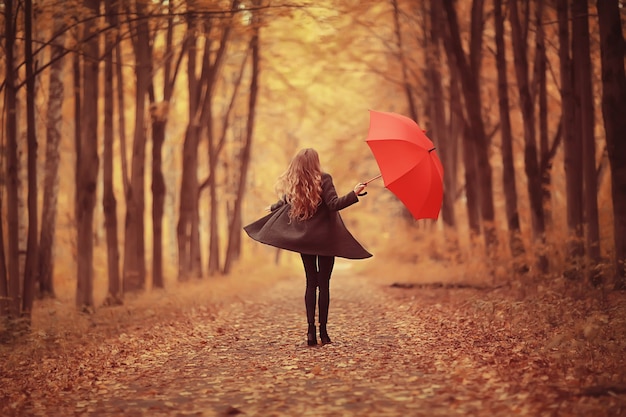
326,264
310,270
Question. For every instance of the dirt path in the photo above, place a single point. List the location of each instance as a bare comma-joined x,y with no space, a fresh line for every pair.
394,353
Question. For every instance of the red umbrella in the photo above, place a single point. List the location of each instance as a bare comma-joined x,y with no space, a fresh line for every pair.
408,163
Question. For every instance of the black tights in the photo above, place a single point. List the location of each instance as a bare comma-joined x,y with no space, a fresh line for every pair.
318,270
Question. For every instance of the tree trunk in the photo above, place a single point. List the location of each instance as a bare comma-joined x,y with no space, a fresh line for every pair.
508,168
88,157
438,115
440,126
159,117
459,131
77,91
612,50
188,199
456,126
201,95
406,85
121,114
545,166
4,282
214,152
531,159
472,191
214,149
31,266
469,75
134,242
54,125
572,148
109,203
234,241
586,124
158,201
187,251
214,250
13,269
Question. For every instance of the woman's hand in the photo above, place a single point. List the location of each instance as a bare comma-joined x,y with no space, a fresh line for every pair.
358,189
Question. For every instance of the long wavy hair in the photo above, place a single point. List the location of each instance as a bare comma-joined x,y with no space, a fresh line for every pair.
301,184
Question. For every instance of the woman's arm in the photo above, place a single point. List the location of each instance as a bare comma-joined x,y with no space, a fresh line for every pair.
330,197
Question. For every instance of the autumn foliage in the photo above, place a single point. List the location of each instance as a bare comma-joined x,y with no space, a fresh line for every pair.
139,137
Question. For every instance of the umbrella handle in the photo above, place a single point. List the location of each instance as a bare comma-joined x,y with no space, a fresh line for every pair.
372,179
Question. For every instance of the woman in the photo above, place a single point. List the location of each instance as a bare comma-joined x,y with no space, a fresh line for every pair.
306,220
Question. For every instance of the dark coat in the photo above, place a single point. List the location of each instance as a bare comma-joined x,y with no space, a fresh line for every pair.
323,234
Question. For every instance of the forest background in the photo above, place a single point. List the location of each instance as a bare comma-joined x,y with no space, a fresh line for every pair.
139,136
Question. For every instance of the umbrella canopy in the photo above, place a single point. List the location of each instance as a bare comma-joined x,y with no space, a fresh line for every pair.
408,163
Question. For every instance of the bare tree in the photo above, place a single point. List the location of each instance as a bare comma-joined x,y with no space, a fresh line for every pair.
134,241
531,158
571,144
187,228
545,165
121,114
444,144
508,169
88,161
201,116
459,128
159,116
585,125
31,266
406,85
56,94
78,101
214,146
234,241
469,72
232,250
456,125
471,174
612,50
109,203
12,257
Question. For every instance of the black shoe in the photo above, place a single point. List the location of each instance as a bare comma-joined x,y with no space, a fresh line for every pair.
311,339
324,335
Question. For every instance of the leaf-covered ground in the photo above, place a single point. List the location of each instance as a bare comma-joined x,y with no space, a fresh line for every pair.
396,352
